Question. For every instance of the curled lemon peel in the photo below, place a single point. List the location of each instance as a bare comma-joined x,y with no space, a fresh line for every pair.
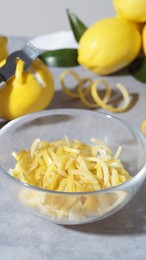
19,70
19,73
143,127
84,82
70,166
77,91
66,90
81,93
124,93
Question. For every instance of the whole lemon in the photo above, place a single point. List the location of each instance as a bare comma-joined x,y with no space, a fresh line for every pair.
144,39
109,45
133,10
3,48
26,92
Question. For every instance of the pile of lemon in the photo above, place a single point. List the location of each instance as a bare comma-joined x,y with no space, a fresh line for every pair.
113,43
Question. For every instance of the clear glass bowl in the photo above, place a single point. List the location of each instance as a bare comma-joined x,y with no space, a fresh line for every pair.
60,207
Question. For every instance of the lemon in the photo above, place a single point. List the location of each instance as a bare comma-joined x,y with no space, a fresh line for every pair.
144,39
3,48
134,10
27,92
109,45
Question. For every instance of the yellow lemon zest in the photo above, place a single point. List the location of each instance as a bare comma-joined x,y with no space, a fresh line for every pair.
53,165
19,70
70,166
70,93
101,102
89,104
82,93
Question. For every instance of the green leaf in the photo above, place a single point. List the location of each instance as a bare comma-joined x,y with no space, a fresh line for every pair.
76,24
138,69
60,58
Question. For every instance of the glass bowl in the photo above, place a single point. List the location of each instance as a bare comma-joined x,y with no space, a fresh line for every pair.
66,207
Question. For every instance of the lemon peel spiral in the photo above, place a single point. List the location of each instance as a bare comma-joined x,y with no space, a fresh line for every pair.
79,92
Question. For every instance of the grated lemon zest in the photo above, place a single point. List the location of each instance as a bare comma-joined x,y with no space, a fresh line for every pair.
69,166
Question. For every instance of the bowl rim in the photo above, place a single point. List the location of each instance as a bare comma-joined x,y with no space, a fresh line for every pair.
35,115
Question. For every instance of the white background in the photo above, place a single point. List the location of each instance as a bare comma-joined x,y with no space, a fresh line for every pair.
36,17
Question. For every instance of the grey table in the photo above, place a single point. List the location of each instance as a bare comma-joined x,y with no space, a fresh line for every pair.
119,237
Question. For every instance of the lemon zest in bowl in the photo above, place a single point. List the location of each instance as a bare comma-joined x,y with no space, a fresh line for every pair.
49,165
70,166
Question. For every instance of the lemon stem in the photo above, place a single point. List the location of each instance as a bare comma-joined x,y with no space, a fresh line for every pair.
19,70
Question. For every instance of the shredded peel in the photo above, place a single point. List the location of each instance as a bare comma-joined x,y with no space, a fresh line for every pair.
70,166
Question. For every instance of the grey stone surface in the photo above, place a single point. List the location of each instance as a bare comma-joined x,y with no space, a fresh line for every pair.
119,237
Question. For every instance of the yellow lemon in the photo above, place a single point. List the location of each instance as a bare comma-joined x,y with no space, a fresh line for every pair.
27,92
109,45
144,39
134,10
3,48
